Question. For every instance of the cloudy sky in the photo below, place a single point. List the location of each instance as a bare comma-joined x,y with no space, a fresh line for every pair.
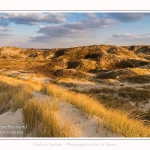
68,29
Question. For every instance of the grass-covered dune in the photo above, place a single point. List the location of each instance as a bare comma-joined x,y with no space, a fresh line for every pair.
37,114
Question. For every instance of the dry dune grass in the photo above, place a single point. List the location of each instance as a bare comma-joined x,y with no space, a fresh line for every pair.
114,120
140,71
21,97
41,119
32,84
11,49
10,81
14,93
6,91
29,83
41,116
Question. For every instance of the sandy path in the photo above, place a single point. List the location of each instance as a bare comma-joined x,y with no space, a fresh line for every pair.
11,124
24,75
88,126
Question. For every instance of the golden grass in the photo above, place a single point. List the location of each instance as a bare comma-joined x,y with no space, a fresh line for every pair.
41,116
10,81
139,71
21,97
114,120
15,93
7,92
41,119
32,85
26,83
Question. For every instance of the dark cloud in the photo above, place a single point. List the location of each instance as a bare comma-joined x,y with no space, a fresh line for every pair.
51,33
58,31
73,29
91,24
98,23
129,17
93,21
31,18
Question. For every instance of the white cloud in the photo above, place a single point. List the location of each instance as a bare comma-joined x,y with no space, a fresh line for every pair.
129,17
4,32
131,35
72,30
129,39
31,18
91,15
124,35
5,29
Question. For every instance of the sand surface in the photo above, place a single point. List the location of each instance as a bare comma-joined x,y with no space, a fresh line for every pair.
88,126
11,124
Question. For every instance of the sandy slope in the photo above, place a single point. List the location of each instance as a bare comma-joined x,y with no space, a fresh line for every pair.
88,126
11,124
